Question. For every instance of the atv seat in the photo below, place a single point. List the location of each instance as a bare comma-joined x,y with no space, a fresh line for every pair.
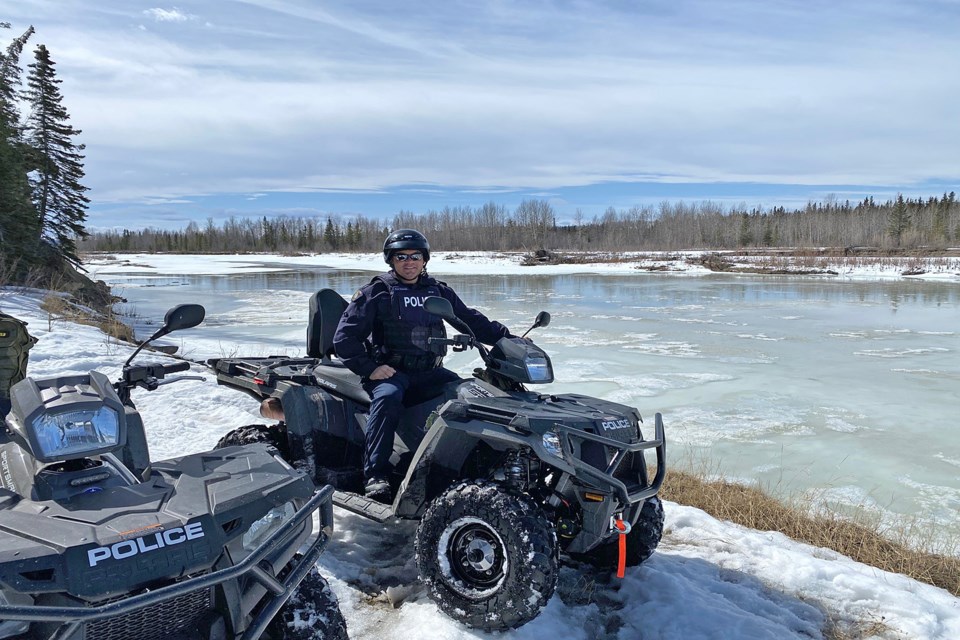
326,307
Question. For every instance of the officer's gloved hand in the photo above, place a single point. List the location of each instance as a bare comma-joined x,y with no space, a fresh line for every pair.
382,372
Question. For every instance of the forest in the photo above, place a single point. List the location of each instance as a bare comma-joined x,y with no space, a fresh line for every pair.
897,225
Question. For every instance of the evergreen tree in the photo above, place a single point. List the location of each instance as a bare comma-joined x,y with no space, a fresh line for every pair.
56,160
19,226
769,235
745,235
898,220
941,220
331,235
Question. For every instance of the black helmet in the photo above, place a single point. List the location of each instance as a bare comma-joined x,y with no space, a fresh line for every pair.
405,239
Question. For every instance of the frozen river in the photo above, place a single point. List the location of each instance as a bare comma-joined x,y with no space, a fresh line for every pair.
848,390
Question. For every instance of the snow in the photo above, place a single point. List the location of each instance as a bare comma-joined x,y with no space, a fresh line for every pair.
708,579
473,262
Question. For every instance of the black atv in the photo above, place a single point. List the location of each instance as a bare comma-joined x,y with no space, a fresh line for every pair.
99,543
502,479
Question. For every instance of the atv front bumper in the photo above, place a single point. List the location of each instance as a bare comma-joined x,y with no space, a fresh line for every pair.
255,567
611,485
618,470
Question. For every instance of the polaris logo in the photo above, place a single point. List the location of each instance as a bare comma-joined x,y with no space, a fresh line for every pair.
326,382
152,542
614,425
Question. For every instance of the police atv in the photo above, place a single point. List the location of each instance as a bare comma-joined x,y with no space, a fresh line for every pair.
502,479
99,543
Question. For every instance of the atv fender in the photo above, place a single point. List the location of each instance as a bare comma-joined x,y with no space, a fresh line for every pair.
445,449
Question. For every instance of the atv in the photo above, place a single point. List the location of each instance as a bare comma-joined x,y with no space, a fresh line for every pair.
503,479
99,543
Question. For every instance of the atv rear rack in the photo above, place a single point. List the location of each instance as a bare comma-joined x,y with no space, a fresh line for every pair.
255,566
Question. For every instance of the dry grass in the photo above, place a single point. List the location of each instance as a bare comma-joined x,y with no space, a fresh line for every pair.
60,307
866,629
904,549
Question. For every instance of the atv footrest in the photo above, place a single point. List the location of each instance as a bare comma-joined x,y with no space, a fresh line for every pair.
363,506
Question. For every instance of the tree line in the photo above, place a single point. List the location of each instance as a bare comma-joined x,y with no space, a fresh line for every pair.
902,223
42,198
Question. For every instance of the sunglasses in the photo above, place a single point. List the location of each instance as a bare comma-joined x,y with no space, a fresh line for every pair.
403,257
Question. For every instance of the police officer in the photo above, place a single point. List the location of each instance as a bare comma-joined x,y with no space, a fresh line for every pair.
402,364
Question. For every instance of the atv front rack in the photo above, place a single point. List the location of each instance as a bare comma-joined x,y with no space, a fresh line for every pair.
255,566
607,477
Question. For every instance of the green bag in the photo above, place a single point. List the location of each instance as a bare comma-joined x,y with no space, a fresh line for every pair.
15,342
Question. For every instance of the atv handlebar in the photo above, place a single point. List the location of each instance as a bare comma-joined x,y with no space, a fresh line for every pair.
146,376
135,374
459,342
175,367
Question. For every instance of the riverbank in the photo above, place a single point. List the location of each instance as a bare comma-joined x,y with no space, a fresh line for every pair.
944,266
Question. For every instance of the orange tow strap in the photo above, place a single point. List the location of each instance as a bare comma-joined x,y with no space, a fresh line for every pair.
624,529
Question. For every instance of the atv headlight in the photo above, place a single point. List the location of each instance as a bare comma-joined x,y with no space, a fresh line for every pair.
76,433
538,368
262,528
552,444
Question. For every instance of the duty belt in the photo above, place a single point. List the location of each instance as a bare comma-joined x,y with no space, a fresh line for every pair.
407,362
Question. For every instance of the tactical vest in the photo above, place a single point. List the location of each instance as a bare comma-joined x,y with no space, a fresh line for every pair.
15,342
407,326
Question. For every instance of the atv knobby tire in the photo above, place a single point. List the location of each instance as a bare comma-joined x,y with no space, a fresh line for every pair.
642,540
253,434
311,612
488,555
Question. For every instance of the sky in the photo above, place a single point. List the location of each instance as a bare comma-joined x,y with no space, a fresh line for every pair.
219,108
708,578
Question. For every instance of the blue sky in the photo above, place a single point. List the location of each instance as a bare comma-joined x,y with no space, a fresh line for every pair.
209,109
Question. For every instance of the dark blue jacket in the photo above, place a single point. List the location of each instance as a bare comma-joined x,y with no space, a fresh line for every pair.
385,304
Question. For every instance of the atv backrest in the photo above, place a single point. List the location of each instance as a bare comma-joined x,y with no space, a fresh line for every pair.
326,307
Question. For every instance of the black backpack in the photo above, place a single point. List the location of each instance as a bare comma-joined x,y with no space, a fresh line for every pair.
15,342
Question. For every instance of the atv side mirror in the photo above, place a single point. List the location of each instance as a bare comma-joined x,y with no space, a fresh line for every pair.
440,307
183,316
542,320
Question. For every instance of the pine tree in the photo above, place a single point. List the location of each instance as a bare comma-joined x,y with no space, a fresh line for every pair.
58,194
745,235
19,225
940,231
898,220
331,235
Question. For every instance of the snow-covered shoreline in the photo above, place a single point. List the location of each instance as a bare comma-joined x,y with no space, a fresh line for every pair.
487,262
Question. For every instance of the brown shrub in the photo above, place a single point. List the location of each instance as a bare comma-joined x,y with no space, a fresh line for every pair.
904,549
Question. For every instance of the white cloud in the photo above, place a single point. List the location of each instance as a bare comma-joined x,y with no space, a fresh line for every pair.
168,15
285,95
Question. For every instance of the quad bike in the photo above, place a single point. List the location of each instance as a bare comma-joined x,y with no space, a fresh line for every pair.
502,479
99,543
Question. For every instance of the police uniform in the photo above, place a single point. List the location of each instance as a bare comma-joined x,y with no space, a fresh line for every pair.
390,314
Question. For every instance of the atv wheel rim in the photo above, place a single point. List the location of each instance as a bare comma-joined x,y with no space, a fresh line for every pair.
475,557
